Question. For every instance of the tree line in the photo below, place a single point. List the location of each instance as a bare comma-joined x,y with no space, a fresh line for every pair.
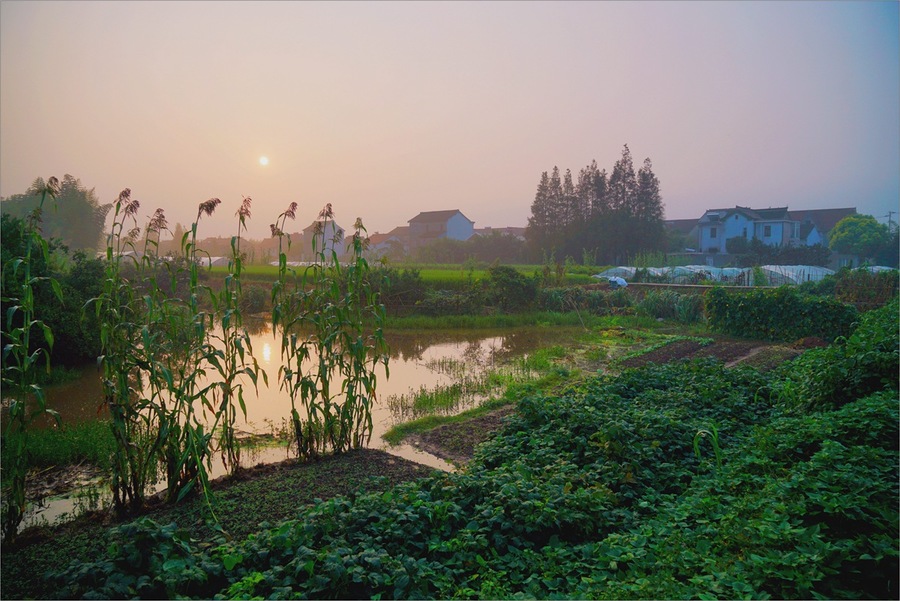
600,217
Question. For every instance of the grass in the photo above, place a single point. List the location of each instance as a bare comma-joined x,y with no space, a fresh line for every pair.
433,275
490,390
90,442
548,319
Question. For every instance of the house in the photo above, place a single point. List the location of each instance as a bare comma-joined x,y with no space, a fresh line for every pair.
819,223
326,234
392,243
684,230
431,225
773,226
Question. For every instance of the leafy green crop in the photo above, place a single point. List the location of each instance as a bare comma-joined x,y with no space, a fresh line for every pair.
596,492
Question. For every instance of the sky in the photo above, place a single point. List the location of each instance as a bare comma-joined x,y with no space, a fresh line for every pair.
386,109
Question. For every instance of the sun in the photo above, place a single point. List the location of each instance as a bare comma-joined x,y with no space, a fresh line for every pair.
263,161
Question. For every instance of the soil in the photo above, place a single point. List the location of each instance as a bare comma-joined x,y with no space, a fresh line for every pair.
456,442
731,352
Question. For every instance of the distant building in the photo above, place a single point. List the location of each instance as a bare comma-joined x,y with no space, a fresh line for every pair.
392,243
772,226
328,235
432,225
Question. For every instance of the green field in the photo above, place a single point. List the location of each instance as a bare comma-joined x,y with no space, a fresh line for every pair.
450,276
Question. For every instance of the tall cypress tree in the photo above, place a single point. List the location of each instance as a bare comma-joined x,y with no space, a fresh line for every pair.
648,211
606,217
648,202
539,224
570,211
557,204
600,204
623,184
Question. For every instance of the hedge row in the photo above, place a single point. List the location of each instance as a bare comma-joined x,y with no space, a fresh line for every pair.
783,314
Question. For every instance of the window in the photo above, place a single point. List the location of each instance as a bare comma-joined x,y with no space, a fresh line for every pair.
767,231
796,229
712,232
745,233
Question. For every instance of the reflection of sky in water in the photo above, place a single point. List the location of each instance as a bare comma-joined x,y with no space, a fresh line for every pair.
415,362
420,359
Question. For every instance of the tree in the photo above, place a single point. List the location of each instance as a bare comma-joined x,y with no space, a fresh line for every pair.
623,184
571,210
586,190
889,254
859,235
602,217
648,202
77,219
541,223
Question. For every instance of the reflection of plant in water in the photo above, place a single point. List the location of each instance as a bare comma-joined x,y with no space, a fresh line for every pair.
470,387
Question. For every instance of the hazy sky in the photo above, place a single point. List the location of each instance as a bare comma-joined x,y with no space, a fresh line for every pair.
388,109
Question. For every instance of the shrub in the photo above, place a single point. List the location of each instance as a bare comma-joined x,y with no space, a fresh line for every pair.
254,300
863,363
597,302
509,289
781,314
396,287
449,302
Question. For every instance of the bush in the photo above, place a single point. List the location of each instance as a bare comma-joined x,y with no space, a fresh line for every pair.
255,299
509,289
397,288
782,314
859,365
448,302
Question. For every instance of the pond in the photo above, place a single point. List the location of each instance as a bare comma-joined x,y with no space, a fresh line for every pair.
420,360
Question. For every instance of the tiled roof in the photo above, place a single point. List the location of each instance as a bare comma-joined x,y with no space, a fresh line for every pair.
436,216
825,219
400,231
770,213
685,226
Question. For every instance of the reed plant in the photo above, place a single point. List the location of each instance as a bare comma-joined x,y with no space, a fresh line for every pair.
20,362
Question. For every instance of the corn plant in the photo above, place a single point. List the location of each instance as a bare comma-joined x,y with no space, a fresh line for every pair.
713,435
322,322
20,362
